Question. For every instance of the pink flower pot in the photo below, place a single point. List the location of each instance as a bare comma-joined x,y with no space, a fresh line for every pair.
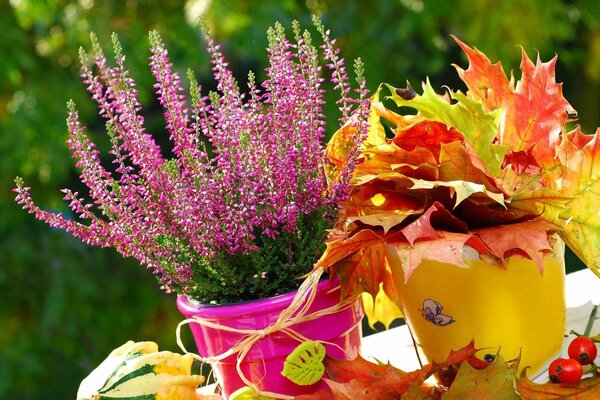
264,362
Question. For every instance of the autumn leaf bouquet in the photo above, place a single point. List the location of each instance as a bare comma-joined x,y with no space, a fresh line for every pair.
458,208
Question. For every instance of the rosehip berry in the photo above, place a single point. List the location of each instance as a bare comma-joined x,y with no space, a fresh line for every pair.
552,369
583,349
569,371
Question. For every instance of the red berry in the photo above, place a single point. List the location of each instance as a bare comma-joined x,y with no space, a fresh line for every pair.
569,371
583,349
552,369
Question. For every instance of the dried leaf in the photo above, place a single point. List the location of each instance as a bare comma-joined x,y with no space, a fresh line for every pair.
415,392
586,389
536,111
578,176
357,390
400,121
376,132
460,190
487,82
340,245
433,219
427,134
447,248
343,142
417,162
494,383
466,116
373,205
459,162
455,357
529,239
480,215
361,379
338,149
364,271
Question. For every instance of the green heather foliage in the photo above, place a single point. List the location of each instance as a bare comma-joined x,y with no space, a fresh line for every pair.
64,306
279,259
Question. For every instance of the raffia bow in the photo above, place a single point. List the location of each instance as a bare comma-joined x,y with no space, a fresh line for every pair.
295,313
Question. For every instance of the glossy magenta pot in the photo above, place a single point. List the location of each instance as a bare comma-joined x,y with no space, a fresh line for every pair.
264,362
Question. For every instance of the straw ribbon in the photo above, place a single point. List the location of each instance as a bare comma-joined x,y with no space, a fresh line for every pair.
295,313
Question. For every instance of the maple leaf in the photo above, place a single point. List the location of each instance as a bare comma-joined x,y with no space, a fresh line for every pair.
578,176
376,132
360,262
343,142
586,389
460,190
495,382
447,248
357,390
495,156
529,239
426,134
427,224
459,162
543,202
416,392
455,357
364,271
390,157
372,205
338,151
361,379
400,121
535,110
521,162
487,82
478,215
466,116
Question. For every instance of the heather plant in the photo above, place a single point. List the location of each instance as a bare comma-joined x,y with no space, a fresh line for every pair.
238,207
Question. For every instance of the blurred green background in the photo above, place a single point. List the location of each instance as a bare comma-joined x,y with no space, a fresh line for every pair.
64,306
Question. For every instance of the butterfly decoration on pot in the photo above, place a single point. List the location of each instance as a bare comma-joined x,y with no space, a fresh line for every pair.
432,312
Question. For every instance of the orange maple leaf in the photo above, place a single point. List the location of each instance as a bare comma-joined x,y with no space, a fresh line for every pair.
529,239
536,111
361,379
487,82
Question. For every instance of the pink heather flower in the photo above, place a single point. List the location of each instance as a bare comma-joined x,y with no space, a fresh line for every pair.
266,169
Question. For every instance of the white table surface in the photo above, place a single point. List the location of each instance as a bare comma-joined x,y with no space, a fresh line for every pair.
582,289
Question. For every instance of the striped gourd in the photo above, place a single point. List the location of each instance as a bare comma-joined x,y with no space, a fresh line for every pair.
138,371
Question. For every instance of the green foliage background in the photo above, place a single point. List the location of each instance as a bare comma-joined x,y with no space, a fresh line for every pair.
63,305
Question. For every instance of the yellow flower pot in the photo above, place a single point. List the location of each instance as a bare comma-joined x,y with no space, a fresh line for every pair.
517,308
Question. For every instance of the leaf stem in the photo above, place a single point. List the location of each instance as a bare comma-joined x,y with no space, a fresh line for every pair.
415,346
591,320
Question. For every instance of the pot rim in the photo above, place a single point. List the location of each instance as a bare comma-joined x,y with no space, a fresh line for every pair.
190,306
